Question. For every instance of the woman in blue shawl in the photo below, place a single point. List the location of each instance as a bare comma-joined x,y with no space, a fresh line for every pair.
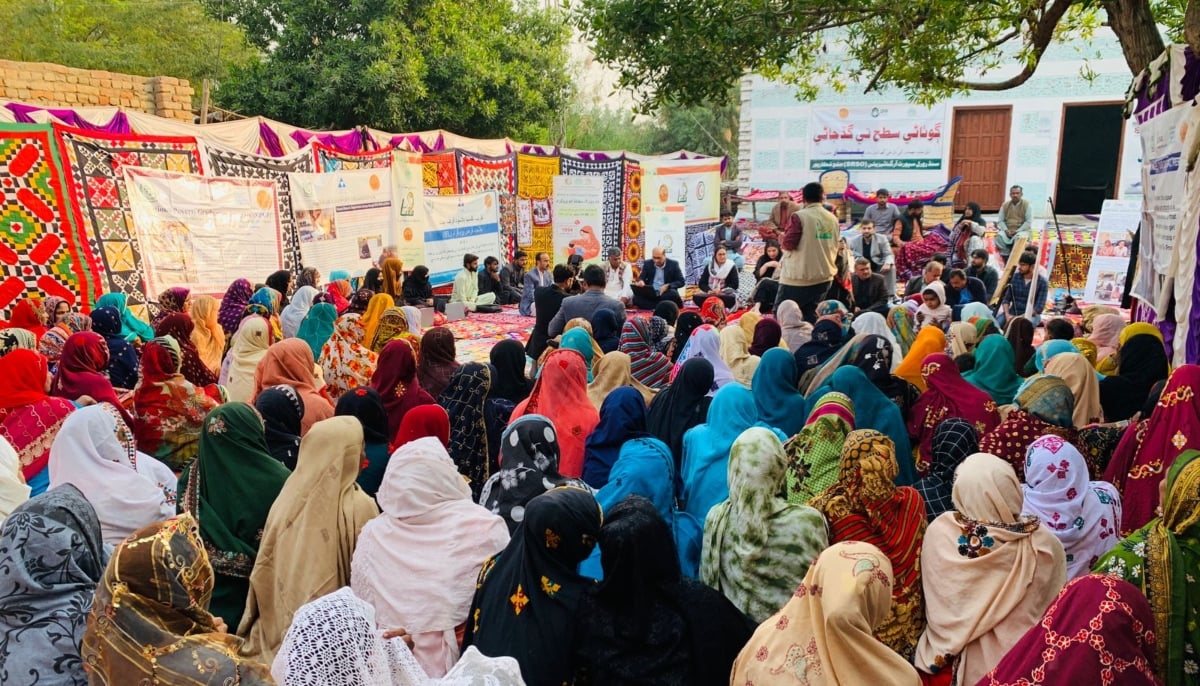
1049,349
317,327
873,410
122,358
579,340
133,329
780,405
645,467
622,417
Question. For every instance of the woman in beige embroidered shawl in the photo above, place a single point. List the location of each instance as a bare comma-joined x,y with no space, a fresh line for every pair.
735,350
988,572
308,541
613,371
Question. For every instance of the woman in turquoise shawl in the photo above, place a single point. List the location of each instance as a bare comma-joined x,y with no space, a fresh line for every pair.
1163,560
1049,349
780,405
133,329
317,327
229,489
995,370
873,410
645,467
579,340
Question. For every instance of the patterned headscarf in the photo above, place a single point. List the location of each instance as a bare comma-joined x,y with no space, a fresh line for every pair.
463,401
171,301
528,467
360,301
11,339
815,453
233,304
713,312
953,440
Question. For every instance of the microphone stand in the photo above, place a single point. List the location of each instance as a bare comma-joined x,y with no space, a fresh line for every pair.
1069,300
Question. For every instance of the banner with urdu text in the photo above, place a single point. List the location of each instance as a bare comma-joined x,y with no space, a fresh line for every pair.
203,232
459,224
343,218
901,136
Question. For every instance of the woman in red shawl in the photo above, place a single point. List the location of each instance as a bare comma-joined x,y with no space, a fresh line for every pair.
947,395
168,409
1148,448
81,372
396,380
29,418
1099,630
560,395
290,363
713,312
25,316
180,326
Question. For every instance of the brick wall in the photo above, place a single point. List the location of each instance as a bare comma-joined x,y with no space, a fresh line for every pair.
42,83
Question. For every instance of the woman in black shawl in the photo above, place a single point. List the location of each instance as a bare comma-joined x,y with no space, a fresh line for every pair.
874,357
646,623
606,330
681,406
373,280
417,290
684,326
668,311
366,405
282,282
1141,363
528,598
826,339
528,468
281,408
509,381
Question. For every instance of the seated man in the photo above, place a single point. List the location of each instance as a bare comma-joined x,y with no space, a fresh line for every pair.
729,236
870,289
980,269
1016,219
932,272
878,252
661,280
618,277
962,290
513,274
547,301
585,304
1025,280
538,277
466,286
490,281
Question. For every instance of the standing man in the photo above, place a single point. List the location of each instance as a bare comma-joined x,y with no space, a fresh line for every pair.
1012,303
884,216
870,289
538,277
729,236
1016,218
490,281
586,303
618,277
980,269
513,274
547,301
466,285
810,247
661,280
878,252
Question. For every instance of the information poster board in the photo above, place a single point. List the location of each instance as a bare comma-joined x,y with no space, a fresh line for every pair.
459,224
578,216
343,218
694,185
408,212
203,232
665,228
1106,275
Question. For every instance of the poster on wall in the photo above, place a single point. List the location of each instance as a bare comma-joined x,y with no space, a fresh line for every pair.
868,137
694,185
1163,178
408,212
578,216
1106,275
184,222
666,228
459,224
343,218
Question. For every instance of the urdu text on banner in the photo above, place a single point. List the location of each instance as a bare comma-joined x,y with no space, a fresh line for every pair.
459,224
203,232
343,218
905,137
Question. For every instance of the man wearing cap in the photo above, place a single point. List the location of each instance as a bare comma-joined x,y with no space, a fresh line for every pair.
618,277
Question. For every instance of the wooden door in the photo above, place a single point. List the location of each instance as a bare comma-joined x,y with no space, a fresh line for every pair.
979,154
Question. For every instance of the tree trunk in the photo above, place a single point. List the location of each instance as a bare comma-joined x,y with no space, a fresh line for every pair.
1133,22
1191,26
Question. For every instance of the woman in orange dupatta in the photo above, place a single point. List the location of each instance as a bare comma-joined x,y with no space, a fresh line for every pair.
290,362
930,340
560,395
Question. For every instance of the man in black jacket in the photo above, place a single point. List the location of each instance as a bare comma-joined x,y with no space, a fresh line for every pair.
980,269
546,301
870,289
963,289
660,280
490,281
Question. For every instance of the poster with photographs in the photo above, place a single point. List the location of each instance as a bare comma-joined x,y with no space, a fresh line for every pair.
1110,253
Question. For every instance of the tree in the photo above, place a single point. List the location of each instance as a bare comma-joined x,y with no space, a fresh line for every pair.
689,51
148,37
483,68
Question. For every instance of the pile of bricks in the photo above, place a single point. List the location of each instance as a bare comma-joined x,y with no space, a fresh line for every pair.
42,83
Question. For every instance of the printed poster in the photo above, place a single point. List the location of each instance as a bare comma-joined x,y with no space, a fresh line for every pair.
343,218
408,212
1106,275
577,217
1163,178
694,185
203,232
524,221
459,224
866,137
666,228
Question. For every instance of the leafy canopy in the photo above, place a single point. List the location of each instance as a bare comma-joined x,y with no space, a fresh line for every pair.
483,68
146,37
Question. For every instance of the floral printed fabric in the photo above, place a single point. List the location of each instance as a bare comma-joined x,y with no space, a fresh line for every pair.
345,362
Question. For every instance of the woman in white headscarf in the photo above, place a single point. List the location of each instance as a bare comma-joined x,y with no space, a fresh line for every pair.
249,347
13,489
294,314
94,451
417,563
873,323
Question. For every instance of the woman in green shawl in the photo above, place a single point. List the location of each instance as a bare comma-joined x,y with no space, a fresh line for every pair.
814,454
995,370
756,544
229,489
580,340
1163,559
133,329
317,327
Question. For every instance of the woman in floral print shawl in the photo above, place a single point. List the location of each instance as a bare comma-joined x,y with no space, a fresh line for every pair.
528,468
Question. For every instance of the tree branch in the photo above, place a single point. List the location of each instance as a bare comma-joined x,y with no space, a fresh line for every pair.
1040,35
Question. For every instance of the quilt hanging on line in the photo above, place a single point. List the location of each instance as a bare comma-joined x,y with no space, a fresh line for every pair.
535,185
42,252
479,173
331,159
439,173
95,165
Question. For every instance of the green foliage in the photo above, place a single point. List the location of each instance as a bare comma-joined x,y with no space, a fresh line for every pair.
484,68
686,51
145,37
